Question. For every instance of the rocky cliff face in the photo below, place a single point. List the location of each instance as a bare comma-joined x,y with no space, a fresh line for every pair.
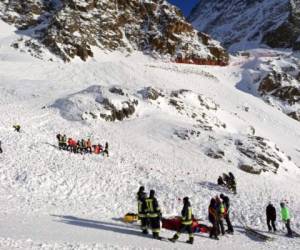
242,24
71,28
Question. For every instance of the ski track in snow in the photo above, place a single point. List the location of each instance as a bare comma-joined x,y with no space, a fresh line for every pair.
53,199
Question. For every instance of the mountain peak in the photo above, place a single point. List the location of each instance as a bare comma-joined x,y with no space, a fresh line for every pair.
242,24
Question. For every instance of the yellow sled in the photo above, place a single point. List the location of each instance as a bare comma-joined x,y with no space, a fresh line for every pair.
130,218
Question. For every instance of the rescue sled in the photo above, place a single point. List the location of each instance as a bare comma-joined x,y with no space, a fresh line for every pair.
174,223
130,218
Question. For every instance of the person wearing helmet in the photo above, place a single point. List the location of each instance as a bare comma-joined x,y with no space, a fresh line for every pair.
186,222
151,206
226,202
142,213
285,216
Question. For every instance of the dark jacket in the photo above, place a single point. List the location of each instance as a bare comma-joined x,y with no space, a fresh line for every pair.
187,214
271,212
151,207
226,202
212,212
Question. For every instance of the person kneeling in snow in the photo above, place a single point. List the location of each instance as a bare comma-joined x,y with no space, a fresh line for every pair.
186,222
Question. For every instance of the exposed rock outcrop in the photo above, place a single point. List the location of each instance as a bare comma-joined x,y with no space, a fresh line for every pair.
71,28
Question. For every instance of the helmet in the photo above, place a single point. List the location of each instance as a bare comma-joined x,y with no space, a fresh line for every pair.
152,193
185,199
222,196
141,189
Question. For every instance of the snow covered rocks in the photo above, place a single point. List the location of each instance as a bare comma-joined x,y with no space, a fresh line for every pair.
261,155
241,24
275,77
72,28
97,102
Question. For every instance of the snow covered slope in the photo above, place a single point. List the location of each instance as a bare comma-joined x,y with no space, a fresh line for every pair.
74,28
244,24
189,125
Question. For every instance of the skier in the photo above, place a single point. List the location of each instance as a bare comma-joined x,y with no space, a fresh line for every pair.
106,149
271,217
285,216
212,217
186,222
1,151
142,211
220,215
17,127
220,181
226,203
153,214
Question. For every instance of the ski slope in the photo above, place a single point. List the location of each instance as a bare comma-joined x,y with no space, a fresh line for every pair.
51,199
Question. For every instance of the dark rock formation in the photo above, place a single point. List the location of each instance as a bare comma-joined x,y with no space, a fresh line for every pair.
71,28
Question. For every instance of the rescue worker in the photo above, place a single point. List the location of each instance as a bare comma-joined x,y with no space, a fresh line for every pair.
1,151
106,149
285,216
64,142
271,217
220,181
153,214
226,203
186,222
220,215
89,145
212,217
60,141
232,182
142,211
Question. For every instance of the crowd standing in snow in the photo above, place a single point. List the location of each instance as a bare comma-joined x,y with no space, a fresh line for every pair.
150,215
80,146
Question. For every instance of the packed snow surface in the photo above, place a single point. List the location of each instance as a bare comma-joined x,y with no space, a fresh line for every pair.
52,199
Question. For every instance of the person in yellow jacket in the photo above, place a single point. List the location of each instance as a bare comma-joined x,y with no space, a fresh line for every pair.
150,205
186,222
285,216
142,213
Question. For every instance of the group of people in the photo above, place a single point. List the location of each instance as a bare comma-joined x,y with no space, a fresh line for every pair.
228,180
285,216
80,146
150,214
218,211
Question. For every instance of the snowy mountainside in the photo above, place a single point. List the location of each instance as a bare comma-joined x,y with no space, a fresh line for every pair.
244,24
274,76
72,28
190,124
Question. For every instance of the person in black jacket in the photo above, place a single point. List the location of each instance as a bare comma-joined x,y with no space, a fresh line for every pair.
142,213
186,222
213,218
1,151
150,205
271,217
226,203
